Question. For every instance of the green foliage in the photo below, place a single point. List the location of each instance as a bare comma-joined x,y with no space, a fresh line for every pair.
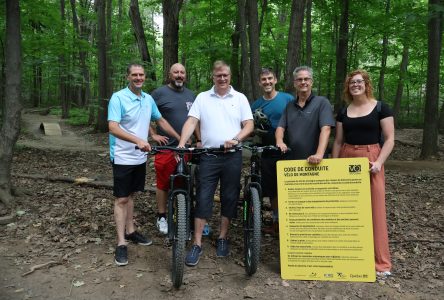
77,116
52,47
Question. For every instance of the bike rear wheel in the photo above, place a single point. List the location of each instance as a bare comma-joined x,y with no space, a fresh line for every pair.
180,238
252,231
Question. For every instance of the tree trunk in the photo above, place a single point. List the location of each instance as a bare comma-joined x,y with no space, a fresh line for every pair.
308,46
108,40
430,132
84,87
245,65
2,76
255,58
294,42
170,9
385,41
341,55
63,66
10,126
102,115
136,21
441,119
235,40
402,76
264,6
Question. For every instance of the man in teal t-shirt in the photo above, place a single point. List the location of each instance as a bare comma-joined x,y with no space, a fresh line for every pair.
271,104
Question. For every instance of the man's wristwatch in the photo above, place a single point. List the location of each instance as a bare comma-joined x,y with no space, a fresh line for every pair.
236,139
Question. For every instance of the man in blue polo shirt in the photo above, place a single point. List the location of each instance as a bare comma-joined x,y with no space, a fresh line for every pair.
129,114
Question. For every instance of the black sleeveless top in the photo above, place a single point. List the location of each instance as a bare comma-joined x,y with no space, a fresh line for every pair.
365,130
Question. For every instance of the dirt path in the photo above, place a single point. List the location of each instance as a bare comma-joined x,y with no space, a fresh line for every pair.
73,226
69,140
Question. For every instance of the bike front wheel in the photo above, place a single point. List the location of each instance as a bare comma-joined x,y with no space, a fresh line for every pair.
180,238
252,231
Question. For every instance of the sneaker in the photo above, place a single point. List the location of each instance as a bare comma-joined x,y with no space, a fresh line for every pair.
121,255
383,274
138,238
222,248
162,225
193,256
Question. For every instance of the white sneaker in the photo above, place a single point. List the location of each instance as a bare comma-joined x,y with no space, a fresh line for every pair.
383,274
162,225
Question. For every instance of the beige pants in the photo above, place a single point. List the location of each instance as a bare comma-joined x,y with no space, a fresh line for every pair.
377,187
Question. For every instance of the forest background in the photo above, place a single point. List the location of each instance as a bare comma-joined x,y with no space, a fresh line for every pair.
73,54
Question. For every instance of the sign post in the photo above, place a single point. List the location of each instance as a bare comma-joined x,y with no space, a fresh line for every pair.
325,220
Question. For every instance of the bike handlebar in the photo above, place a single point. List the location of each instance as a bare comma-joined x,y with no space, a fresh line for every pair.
255,148
220,149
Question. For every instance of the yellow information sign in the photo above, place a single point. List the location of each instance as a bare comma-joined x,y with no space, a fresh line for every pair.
325,220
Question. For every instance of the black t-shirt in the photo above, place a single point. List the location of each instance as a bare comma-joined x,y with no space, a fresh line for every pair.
364,130
174,106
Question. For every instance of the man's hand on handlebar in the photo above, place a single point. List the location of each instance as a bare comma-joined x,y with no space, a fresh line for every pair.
144,146
282,146
231,143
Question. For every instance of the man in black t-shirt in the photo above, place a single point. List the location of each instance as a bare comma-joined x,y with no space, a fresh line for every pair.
174,101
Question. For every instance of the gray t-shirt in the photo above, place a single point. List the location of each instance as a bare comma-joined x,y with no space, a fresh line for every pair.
303,125
174,106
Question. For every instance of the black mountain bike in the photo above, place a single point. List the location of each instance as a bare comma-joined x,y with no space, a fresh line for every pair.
252,202
180,201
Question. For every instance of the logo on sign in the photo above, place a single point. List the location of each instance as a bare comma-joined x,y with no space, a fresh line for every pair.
354,168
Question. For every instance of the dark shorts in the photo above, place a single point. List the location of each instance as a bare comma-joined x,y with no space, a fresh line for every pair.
128,179
269,159
226,168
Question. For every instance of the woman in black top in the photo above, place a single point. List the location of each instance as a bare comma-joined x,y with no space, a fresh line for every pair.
358,134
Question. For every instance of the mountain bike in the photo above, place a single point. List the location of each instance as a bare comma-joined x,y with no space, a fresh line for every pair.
252,202
180,201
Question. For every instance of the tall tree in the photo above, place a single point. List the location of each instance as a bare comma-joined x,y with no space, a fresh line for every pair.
234,64
136,21
294,41
385,41
430,133
82,39
308,44
63,86
10,125
341,54
108,41
102,114
253,34
170,9
401,82
245,64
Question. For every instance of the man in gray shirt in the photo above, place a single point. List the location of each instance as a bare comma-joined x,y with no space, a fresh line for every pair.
307,121
174,101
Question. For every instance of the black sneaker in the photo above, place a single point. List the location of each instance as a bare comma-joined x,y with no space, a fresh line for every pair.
222,248
121,255
138,238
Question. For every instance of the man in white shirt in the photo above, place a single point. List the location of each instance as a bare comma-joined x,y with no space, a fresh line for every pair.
225,118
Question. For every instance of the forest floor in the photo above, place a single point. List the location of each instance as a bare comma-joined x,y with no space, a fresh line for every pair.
61,244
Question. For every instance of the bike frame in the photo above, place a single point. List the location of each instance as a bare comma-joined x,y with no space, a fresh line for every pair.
182,173
253,179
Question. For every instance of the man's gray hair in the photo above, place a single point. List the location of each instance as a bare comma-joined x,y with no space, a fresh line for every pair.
303,68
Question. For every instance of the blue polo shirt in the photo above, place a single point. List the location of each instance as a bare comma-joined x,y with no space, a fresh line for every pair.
133,113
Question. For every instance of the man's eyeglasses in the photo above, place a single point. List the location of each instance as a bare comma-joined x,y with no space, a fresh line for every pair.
219,76
357,81
302,79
